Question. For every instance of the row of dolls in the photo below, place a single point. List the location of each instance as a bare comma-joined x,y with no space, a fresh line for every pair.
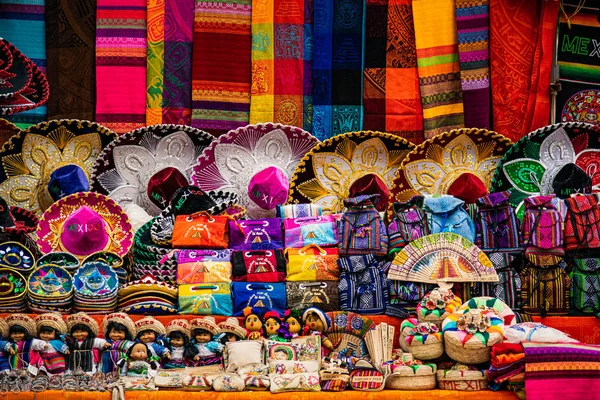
54,345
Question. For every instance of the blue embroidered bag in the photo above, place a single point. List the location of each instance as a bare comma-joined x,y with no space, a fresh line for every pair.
363,286
363,229
262,296
445,214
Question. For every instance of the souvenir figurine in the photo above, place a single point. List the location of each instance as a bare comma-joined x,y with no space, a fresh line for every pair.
272,326
151,332
253,323
317,323
291,326
232,330
5,346
205,340
178,342
83,344
118,331
51,329
138,361
22,342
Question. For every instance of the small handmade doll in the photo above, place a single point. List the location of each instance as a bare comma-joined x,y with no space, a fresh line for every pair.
51,329
178,342
317,323
138,362
24,348
272,326
118,331
5,346
83,344
291,326
207,344
253,323
151,332
231,330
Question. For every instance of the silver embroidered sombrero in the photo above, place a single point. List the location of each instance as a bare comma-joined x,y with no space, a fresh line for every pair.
156,159
264,155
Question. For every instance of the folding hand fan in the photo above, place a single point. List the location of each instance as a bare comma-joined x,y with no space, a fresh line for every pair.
347,333
442,257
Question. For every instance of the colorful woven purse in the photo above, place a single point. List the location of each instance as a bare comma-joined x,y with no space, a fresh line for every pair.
202,266
542,231
585,285
409,223
302,295
582,224
205,299
312,263
201,231
363,286
300,232
499,227
258,234
258,266
260,296
299,211
363,229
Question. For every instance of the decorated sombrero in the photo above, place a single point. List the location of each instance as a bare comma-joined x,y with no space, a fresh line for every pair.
330,172
557,159
255,162
83,319
7,130
50,282
148,295
15,255
13,286
120,318
53,320
30,159
442,257
23,86
149,324
22,320
178,325
469,155
85,223
206,323
232,325
147,165
115,261
60,258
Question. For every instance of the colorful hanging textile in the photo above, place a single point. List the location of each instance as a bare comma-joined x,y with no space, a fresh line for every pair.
70,51
221,66
439,67
472,24
392,101
281,62
23,24
155,62
338,47
121,64
578,56
177,86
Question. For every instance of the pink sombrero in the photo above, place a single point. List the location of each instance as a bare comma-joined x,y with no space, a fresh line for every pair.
85,223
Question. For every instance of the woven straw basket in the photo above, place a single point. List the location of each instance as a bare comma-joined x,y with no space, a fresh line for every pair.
473,351
462,380
427,351
405,378
432,318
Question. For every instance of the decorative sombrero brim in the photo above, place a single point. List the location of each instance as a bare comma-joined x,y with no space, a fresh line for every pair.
150,309
326,173
148,283
204,323
13,286
23,320
28,87
149,323
53,320
431,167
83,319
96,279
530,167
178,325
17,256
120,318
126,166
119,229
25,222
50,282
233,159
7,130
24,176
442,257
236,329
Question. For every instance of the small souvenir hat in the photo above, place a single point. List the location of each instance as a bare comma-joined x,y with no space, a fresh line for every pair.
24,86
468,187
164,184
50,288
63,259
322,316
179,325
149,323
82,319
120,318
232,325
206,323
22,320
371,184
15,255
53,320
3,328
269,188
13,286
7,129
16,220
67,180
85,223
148,296
96,286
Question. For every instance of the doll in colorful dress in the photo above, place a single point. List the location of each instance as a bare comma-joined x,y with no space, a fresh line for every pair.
232,331
152,333
206,341
272,326
5,347
118,331
178,342
138,362
291,326
51,329
24,348
83,344
316,322
253,323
